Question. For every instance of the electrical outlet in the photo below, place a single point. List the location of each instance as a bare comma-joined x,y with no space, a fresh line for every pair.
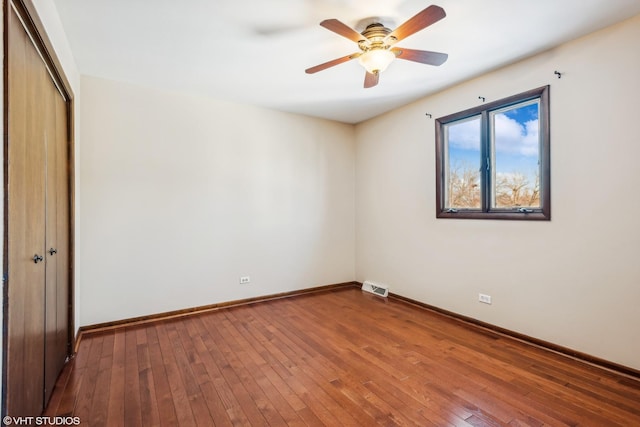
484,298
245,279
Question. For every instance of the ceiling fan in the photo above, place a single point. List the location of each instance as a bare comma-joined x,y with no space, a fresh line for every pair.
376,41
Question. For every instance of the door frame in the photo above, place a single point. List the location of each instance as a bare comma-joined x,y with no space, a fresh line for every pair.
35,28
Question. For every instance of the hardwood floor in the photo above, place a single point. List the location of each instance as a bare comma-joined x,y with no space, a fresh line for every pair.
338,358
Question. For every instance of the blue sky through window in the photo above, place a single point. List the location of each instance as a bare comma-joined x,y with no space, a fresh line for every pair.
515,136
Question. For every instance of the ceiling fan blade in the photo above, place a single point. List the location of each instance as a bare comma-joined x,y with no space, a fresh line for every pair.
422,56
332,63
371,79
422,20
342,29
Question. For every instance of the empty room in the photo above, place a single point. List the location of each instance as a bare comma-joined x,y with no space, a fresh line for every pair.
321,213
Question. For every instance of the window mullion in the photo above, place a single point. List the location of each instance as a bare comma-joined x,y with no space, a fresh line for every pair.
485,169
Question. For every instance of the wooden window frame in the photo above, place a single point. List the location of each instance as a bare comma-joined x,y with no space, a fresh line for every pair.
486,211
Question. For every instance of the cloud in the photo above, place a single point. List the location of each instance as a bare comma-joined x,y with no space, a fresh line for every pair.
513,137
465,135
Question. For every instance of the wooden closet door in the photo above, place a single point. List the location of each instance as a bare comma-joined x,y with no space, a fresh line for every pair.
25,224
50,373
57,238
63,243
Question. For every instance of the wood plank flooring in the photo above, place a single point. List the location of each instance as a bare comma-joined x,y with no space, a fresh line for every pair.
338,358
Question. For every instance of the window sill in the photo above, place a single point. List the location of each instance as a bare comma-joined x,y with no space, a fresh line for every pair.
501,215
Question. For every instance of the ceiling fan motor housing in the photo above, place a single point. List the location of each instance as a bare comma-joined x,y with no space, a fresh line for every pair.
375,35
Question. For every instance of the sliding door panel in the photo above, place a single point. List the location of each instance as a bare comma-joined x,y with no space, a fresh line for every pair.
25,223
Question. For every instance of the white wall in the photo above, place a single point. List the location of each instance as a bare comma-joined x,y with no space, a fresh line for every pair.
183,195
574,280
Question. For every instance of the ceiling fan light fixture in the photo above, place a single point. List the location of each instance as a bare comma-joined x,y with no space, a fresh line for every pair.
376,41
376,60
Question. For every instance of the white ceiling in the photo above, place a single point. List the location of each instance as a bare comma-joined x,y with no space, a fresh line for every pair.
256,51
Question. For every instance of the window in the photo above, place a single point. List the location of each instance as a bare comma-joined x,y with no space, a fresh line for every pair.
492,161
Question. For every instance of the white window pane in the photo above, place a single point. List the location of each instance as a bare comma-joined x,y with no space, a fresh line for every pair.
462,164
516,156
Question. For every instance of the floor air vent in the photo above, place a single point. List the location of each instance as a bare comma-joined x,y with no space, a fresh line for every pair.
375,288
